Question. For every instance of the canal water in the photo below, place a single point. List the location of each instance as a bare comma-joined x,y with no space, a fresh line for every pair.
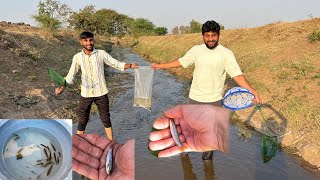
243,161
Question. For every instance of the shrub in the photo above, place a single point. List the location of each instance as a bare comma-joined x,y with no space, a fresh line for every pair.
314,36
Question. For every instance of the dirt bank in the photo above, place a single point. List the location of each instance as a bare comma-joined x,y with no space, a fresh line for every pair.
26,90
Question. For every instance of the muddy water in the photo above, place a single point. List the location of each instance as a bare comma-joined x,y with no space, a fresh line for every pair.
243,161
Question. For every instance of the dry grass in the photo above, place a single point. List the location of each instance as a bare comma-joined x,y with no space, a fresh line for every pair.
277,59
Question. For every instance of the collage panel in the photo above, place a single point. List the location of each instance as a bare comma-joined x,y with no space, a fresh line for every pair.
35,149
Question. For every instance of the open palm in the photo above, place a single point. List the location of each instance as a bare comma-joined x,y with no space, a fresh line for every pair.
201,128
89,157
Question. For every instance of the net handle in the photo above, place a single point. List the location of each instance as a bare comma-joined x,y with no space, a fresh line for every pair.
263,119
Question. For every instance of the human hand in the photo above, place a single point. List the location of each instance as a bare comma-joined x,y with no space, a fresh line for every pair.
156,66
257,99
134,65
200,127
58,90
89,157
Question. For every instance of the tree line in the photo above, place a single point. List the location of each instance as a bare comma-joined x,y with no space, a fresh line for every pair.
52,15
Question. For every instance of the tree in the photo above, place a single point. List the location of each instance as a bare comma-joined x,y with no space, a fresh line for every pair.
104,21
195,26
52,14
161,31
184,29
84,20
175,30
142,26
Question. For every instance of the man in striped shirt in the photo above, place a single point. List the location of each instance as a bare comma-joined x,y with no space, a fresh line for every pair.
93,87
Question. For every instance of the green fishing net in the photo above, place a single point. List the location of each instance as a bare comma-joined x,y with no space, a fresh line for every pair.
269,144
56,77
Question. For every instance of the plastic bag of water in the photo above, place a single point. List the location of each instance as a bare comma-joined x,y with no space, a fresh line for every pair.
143,87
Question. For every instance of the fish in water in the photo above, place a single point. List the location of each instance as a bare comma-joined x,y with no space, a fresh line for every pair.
174,132
53,146
109,162
49,171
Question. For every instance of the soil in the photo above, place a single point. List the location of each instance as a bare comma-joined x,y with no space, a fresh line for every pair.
26,90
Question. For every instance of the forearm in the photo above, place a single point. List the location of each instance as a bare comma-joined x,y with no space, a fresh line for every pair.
242,82
173,64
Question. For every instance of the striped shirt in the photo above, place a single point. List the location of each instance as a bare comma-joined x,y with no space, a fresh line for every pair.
92,71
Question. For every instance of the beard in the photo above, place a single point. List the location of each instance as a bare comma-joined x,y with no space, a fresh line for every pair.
89,48
212,46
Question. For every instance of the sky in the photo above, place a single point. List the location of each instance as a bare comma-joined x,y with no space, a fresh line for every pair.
170,13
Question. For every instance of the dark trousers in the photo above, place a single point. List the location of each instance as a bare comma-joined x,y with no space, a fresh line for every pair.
206,155
84,111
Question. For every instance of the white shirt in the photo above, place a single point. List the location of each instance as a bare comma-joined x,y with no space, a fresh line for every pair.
92,71
211,66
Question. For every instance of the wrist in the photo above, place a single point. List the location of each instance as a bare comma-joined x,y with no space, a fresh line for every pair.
130,65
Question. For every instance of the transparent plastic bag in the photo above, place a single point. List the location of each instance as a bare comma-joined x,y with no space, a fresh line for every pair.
143,87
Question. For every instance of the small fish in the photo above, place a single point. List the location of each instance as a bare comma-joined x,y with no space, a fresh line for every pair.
45,152
34,173
50,156
47,164
174,133
49,170
53,146
55,158
27,167
39,164
43,145
20,150
109,162
39,176
16,138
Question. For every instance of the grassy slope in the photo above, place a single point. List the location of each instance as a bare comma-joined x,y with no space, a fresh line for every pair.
277,59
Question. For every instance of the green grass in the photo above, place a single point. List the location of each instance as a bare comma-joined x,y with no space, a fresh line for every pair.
314,36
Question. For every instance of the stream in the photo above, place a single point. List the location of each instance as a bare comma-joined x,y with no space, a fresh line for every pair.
243,161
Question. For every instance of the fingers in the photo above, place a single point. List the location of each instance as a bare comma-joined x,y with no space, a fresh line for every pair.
96,140
164,143
174,151
162,134
85,146
175,112
134,65
85,158
58,90
163,122
85,170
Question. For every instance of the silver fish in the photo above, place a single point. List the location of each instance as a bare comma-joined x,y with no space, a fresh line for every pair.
109,162
174,133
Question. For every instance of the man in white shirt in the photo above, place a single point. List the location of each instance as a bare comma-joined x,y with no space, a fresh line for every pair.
93,87
212,62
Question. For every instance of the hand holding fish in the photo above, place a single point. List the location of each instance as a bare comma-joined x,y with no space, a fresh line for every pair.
90,153
200,128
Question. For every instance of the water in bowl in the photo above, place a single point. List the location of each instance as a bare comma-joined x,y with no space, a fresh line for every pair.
32,153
